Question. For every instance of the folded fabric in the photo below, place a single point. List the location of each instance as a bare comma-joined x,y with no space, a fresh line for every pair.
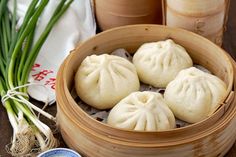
76,25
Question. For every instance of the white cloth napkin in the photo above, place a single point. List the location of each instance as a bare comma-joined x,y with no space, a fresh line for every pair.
76,25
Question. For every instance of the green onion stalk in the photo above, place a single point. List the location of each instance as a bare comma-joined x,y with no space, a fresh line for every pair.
18,52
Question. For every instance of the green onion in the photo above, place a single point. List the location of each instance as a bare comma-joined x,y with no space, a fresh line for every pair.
17,56
33,54
3,5
31,24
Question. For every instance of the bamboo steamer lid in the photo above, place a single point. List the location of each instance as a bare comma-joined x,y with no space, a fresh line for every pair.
113,13
210,137
207,18
196,7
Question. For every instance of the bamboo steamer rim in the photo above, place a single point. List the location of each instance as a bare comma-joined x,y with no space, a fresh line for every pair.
63,92
220,125
175,29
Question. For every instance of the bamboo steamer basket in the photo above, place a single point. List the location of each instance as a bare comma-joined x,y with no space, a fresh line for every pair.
113,13
211,137
205,17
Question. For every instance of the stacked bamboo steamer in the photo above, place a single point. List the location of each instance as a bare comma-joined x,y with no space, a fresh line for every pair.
113,13
205,17
211,137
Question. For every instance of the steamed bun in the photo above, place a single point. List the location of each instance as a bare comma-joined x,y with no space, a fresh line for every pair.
158,63
142,111
193,94
103,80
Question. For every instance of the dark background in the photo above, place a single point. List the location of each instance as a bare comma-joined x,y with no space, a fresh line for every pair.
229,45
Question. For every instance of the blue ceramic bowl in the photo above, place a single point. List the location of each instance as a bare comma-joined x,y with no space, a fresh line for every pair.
59,152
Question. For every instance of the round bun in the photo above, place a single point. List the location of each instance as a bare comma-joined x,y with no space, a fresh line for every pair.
142,111
103,80
158,63
193,94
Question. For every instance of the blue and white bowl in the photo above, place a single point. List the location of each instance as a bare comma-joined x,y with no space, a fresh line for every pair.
59,152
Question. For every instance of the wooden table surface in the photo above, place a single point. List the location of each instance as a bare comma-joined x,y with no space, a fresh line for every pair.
229,45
